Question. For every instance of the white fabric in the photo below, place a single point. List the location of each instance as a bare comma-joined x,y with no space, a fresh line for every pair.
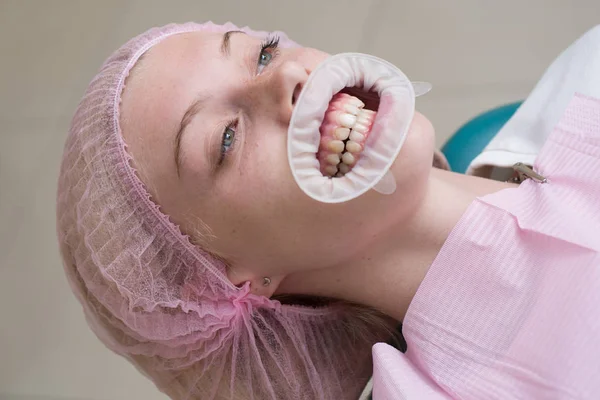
577,69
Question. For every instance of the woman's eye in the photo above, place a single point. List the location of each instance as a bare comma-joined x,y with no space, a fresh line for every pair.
265,58
228,138
268,51
227,141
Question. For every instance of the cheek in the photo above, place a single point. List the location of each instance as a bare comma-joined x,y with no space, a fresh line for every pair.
265,173
260,184
309,58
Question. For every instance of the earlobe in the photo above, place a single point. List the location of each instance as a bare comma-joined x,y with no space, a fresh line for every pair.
265,286
259,285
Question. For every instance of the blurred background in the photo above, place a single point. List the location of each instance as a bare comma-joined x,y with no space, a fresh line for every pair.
478,54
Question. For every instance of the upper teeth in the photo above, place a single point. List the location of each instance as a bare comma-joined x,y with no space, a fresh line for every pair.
351,109
346,98
346,120
341,133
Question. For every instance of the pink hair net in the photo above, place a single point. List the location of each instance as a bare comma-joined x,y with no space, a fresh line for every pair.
155,298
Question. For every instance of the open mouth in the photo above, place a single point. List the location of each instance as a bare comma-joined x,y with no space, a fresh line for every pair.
345,129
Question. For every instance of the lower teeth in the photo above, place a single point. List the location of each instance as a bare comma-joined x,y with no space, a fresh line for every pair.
344,168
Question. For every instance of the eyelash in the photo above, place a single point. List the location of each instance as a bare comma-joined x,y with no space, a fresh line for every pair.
269,43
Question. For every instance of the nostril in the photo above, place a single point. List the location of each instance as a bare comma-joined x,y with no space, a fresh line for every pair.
296,93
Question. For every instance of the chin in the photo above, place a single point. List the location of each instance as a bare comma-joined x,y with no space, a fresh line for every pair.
413,165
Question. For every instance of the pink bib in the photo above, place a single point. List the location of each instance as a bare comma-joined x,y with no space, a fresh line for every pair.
510,308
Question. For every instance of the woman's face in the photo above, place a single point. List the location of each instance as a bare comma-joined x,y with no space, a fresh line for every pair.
205,117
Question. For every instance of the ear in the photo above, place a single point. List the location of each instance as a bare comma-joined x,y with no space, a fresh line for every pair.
258,284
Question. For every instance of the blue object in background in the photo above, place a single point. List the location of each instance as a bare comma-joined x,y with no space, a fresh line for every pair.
470,139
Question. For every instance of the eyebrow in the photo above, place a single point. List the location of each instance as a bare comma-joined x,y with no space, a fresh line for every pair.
225,42
192,110
196,106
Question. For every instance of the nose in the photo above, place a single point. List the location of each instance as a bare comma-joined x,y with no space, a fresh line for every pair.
283,88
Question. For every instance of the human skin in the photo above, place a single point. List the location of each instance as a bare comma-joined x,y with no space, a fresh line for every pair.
373,250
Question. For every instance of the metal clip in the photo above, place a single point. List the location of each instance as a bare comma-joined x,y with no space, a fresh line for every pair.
523,172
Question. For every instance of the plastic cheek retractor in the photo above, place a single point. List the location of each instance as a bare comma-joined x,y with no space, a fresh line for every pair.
368,78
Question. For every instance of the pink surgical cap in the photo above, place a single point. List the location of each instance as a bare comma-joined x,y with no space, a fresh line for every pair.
160,301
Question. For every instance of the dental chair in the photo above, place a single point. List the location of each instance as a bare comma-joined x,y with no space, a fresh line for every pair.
471,138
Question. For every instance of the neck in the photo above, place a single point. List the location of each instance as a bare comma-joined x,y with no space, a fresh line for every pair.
389,273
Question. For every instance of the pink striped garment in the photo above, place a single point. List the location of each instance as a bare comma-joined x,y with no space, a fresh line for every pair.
510,308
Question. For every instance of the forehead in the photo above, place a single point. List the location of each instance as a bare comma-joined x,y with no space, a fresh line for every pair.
159,89
183,61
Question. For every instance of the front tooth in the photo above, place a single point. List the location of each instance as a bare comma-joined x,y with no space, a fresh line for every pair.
351,109
346,120
341,133
353,147
359,128
348,158
331,170
353,100
357,136
333,159
336,146
344,169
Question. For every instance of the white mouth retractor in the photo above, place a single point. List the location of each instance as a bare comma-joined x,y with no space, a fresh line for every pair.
394,116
